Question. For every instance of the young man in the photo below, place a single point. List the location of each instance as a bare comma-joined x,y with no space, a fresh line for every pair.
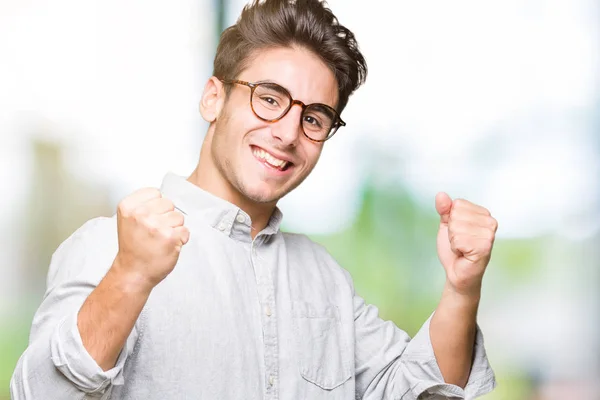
191,291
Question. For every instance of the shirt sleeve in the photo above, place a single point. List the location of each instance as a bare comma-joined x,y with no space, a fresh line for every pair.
389,365
56,365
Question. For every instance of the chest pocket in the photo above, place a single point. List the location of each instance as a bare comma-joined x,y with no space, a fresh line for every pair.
323,353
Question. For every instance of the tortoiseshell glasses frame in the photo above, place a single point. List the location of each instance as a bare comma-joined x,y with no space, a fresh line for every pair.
324,109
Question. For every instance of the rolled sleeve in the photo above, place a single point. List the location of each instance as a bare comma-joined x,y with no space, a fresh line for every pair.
391,365
71,358
56,365
421,366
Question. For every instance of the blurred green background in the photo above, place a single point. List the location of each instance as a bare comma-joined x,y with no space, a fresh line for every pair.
496,102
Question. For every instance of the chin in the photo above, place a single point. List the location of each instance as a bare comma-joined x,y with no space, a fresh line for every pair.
262,197
261,193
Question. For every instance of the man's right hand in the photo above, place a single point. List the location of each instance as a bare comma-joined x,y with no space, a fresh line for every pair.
151,235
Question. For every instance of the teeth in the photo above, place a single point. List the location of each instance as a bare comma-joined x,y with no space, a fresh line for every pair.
275,162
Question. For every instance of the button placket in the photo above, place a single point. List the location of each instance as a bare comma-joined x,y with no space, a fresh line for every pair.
268,321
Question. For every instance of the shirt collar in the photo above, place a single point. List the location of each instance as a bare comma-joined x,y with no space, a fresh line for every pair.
217,212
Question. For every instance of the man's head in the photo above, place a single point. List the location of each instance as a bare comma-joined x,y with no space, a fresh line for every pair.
259,156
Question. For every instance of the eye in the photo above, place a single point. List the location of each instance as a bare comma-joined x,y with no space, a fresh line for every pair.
269,100
312,121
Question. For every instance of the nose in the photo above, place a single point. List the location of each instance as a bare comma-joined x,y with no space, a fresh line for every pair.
289,128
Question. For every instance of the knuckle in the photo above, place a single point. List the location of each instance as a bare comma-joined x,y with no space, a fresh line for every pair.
460,202
123,208
493,224
174,238
178,219
152,229
164,235
167,234
127,206
168,204
139,213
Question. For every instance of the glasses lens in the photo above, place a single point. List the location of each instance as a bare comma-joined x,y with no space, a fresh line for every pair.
318,121
270,101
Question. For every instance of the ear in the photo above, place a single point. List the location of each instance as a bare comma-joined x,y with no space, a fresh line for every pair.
212,100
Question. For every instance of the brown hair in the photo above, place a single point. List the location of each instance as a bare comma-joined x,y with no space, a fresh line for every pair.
285,23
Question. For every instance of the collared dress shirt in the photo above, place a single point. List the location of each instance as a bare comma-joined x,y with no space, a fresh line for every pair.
271,318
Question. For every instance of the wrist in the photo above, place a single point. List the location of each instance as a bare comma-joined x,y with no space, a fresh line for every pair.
468,299
129,278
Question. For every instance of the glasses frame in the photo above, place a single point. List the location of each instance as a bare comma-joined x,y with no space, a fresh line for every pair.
253,85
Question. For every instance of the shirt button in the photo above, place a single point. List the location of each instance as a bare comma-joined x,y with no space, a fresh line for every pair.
222,226
268,311
271,380
240,218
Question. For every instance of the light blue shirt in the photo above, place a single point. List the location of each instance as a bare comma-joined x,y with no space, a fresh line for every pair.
271,318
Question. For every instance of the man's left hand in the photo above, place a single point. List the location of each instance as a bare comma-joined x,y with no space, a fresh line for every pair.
464,242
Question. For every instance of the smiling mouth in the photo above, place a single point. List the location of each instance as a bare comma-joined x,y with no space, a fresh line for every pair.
270,160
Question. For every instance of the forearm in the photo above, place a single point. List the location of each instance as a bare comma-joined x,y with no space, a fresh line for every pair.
108,315
452,331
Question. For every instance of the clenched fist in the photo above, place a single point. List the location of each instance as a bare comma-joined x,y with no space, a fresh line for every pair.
464,243
151,235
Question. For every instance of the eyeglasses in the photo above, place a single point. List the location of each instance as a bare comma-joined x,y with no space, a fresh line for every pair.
270,102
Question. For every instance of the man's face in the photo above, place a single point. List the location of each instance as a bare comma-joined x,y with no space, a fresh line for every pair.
264,161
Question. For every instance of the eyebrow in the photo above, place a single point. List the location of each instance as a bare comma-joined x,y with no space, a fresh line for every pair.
324,108
282,90
286,89
267,81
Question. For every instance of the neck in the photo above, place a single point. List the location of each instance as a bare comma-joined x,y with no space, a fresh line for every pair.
207,177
